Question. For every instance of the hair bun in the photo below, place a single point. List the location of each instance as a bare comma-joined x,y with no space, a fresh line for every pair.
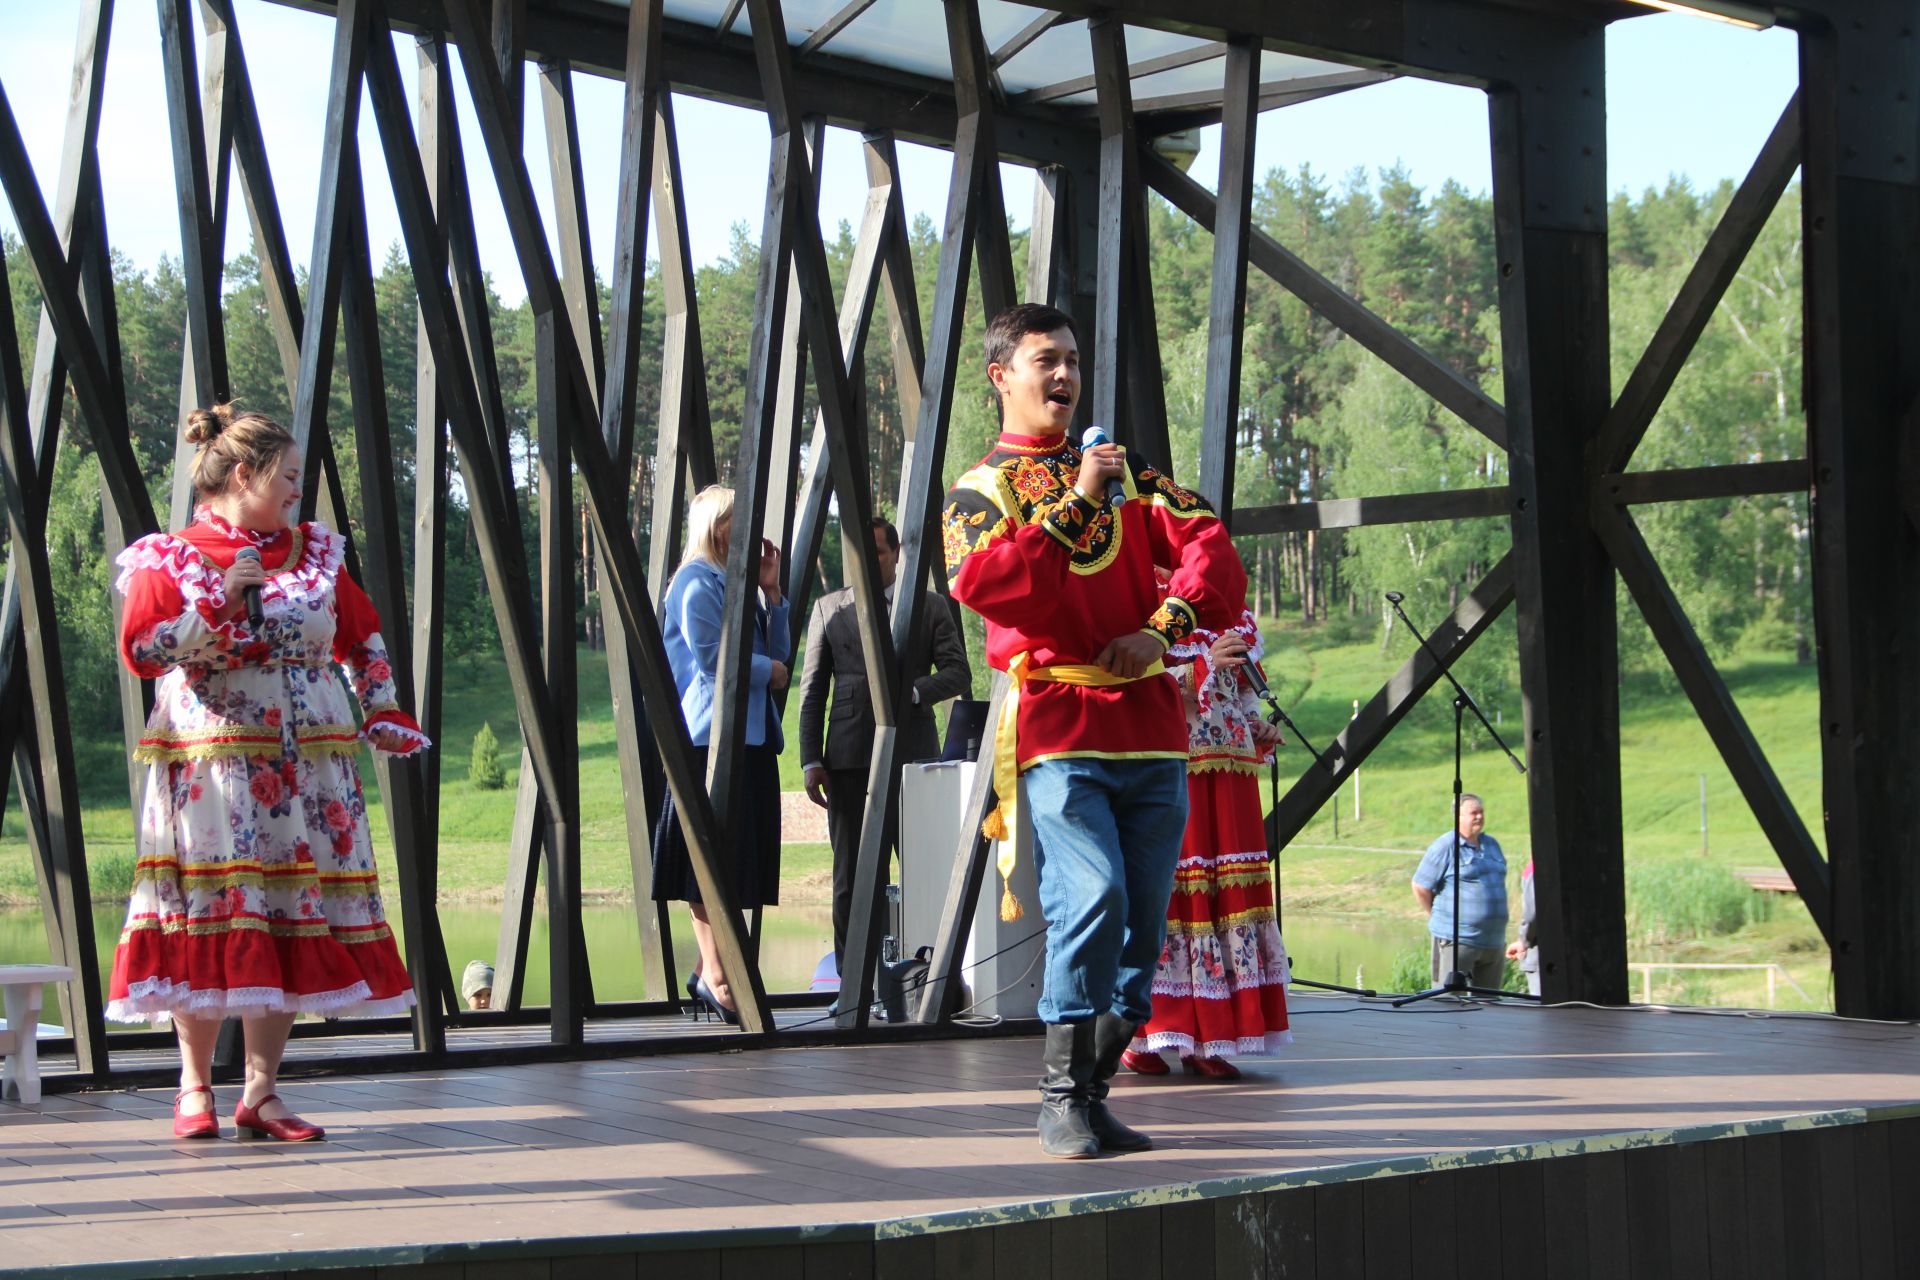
204,425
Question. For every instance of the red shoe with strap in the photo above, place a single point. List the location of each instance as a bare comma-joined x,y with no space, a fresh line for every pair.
252,1124
1145,1064
1211,1068
202,1124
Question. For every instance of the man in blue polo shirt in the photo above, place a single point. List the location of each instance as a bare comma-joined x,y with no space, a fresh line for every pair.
1483,900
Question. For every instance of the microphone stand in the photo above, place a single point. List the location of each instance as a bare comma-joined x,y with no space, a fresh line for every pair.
1456,982
1277,716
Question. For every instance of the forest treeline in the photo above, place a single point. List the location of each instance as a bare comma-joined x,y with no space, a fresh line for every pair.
1320,417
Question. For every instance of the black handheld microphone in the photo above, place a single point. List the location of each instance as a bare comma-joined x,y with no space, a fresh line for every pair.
1394,597
1116,487
1259,682
256,616
1251,670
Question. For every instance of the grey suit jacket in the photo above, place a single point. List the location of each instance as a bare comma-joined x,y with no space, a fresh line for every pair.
835,658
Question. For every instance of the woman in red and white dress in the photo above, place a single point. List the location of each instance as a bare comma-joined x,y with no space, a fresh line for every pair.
255,895
1220,987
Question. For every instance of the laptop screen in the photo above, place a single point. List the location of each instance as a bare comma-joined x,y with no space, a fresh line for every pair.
966,726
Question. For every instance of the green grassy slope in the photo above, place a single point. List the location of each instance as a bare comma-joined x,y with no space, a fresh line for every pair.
1362,870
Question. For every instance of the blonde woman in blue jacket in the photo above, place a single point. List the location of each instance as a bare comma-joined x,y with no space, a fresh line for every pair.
691,627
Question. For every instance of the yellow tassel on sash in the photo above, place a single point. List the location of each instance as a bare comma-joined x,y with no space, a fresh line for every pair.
1001,823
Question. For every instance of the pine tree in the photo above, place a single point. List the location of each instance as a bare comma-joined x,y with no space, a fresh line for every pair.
483,767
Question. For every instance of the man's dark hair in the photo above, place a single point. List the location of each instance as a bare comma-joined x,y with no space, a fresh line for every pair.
880,523
1007,327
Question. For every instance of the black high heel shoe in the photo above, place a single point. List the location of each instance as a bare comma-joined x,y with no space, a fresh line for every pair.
705,994
692,1009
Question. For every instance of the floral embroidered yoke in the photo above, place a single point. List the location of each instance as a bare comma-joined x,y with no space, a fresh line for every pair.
255,889
1057,577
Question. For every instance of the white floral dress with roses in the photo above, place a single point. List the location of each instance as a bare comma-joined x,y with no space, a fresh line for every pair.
255,889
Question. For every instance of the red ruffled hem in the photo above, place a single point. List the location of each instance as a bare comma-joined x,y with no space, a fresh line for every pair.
156,972
1252,1014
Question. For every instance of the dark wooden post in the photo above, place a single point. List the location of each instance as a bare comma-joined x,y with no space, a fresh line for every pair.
62,866
496,531
1861,222
430,485
62,869
1119,188
400,779
846,456
199,177
640,789
683,463
864,273
1549,146
1227,314
683,459
606,493
970,200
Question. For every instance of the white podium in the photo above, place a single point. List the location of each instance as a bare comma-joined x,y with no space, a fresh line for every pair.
932,798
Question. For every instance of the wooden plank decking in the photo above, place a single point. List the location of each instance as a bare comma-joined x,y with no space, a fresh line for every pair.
708,1151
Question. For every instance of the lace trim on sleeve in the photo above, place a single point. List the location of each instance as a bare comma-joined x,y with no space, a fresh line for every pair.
401,723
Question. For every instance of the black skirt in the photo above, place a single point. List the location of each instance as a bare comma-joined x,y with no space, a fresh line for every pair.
751,855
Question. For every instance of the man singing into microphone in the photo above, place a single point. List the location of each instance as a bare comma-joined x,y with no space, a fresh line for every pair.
1055,545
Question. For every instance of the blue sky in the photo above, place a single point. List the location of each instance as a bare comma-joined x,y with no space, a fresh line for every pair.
1686,97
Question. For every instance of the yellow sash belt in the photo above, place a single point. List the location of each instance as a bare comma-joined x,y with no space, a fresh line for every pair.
1001,823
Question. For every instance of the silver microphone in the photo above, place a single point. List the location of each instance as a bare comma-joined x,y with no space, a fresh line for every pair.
256,616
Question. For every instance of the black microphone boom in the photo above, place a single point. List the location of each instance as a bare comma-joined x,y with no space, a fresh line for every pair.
256,616
1459,691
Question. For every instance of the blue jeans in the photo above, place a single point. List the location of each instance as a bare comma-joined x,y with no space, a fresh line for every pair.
1106,836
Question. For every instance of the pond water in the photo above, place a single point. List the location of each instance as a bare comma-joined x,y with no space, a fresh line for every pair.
1340,949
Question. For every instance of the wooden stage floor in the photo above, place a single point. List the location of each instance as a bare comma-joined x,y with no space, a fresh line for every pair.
891,1140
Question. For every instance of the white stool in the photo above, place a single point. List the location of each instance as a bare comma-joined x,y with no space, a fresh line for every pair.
22,985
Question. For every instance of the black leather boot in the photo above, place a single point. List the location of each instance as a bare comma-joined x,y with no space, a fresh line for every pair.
1065,1092
1111,1035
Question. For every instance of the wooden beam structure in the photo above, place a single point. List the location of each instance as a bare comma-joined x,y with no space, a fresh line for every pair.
645,90
1860,209
973,198
1568,497
1227,314
1549,142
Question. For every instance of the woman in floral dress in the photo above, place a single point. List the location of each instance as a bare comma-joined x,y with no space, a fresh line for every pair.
255,895
1220,986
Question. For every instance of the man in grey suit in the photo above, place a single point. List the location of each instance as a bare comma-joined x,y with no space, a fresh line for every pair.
837,777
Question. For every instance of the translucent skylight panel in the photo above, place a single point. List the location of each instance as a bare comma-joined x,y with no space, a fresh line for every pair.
1061,54
907,35
904,35
707,13
1002,20
1291,66
1201,77
804,16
